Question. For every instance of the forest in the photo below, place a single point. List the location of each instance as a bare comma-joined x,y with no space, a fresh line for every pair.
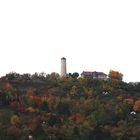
49,107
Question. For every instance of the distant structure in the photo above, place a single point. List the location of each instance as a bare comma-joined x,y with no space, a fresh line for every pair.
93,74
63,67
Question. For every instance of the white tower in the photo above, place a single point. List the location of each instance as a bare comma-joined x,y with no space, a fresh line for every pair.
63,67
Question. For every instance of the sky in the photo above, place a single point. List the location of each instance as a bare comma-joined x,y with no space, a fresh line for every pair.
93,35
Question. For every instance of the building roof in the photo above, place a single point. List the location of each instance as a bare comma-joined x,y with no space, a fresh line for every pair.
87,73
101,73
92,73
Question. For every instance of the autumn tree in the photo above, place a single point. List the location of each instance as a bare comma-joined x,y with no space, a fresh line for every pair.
8,91
15,120
52,79
63,108
136,106
115,75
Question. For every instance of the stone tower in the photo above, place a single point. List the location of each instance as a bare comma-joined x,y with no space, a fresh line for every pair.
63,67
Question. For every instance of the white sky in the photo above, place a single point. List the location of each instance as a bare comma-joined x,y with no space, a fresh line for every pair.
92,34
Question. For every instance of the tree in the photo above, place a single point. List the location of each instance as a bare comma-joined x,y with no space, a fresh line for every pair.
15,120
63,108
26,76
115,75
8,90
136,106
39,132
54,120
74,75
45,106
12,76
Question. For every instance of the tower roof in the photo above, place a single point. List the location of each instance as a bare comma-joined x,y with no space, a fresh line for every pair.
63,58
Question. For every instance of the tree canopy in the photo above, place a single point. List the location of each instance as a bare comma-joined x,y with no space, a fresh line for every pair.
47,106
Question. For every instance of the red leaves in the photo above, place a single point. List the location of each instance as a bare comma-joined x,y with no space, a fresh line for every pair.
21,109
15,104
8,86
76,117
129,101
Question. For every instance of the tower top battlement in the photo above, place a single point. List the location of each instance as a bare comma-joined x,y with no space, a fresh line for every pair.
63,58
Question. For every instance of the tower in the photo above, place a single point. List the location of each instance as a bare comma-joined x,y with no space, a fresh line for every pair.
63,67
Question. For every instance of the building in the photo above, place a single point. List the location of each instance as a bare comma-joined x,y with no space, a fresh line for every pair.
63,67
94,74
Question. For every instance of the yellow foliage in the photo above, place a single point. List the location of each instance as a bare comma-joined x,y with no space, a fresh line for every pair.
30,109
14,120
115,75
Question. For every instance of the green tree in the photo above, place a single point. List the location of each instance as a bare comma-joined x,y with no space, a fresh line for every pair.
74,75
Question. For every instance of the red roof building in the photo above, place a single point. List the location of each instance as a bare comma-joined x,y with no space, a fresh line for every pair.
93,74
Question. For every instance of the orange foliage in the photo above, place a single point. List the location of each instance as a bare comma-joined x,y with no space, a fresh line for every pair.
36,99
15,120
115,75
30,109
136,106
83,81
30,91
52,102
48,98
129,101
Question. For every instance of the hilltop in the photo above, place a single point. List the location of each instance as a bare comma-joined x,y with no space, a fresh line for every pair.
50,107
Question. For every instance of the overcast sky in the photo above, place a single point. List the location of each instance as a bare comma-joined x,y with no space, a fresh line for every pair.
93,35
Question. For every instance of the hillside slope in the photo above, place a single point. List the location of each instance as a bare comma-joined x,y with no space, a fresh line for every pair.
54,108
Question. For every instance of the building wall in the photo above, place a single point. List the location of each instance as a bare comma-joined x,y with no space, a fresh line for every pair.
94,75
101,76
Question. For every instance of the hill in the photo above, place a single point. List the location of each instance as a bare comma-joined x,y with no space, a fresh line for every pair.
50,107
